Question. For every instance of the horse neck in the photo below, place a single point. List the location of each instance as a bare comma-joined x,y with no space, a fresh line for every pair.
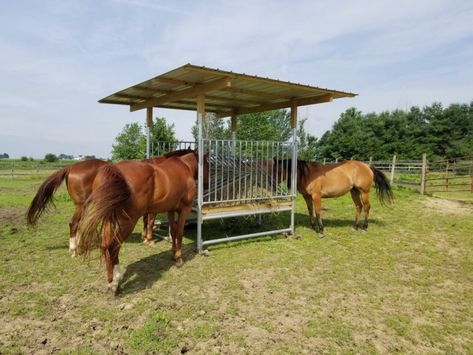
192,163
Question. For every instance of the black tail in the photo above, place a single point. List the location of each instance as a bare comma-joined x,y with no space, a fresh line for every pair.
383,188
44,196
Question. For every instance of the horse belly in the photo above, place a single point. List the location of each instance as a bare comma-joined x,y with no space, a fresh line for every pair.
335,187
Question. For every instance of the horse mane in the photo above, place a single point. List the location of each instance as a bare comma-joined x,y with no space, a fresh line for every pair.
302,169
178,153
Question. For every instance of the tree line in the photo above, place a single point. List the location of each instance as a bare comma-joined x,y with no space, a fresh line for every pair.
440,132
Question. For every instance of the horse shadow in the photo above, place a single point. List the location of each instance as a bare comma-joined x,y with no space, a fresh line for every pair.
302,220
144,273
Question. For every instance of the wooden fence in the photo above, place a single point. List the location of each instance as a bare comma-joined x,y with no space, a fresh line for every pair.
429,176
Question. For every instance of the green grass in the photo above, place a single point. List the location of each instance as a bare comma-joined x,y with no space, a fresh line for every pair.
404,286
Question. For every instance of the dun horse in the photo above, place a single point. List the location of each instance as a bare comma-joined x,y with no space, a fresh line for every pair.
79,178
316,181
127,190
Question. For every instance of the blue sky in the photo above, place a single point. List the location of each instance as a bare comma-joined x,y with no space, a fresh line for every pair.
59,57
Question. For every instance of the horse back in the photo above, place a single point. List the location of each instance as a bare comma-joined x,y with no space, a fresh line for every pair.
80,179
174,184
333,180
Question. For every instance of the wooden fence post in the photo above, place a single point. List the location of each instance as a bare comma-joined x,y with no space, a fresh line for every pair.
393,167
447,167
371,161
423,178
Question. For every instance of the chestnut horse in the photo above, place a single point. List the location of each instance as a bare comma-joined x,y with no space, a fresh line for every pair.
124,192
316,181
79,178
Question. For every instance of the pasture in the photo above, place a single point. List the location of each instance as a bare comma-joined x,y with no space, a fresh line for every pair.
404,286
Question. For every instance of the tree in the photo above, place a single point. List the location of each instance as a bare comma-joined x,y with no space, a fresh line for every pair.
265,126
307,143
129,143
214,128
4,156
50,158
24,158
437,131
160,132
63,156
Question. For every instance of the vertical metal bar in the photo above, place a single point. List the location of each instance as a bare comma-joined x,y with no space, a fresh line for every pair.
229,147
200,182
221,172
216,169
294,177
239,170
246,164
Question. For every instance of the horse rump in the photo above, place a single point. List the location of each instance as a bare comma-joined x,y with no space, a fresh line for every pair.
104,208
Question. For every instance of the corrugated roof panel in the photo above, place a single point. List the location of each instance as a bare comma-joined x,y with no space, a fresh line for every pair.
246,91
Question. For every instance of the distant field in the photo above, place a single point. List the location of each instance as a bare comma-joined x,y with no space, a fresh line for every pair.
405,286
39,168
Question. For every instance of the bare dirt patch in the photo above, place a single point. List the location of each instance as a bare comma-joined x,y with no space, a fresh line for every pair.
11,215
449,206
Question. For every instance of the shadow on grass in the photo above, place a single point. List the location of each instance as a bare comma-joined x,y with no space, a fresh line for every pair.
143,273
302,220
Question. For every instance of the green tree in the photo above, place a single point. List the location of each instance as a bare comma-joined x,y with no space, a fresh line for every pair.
307,143
24,158
214,128
129,143
265,126
50,158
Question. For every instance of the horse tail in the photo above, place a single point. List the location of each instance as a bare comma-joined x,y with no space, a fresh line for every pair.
383,188
44,196
104,208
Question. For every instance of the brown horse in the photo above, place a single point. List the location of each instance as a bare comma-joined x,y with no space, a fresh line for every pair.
316,181
79,178
124,192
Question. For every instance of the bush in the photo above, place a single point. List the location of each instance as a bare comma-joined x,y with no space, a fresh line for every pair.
23,158
50,158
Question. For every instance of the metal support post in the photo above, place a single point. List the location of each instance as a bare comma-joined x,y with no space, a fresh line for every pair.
200,182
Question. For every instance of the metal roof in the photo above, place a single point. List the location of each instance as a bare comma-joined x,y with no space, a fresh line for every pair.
225,92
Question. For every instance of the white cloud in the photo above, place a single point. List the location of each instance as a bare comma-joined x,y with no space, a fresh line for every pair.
59,57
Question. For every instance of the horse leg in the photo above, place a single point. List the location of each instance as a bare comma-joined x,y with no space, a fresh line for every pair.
181,221
310,208
355,195
366,207
110,248
148,229
317,200
144,232
73,226
172,230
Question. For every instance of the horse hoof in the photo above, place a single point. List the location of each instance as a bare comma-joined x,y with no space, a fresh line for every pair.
73,254
364,230
320,235
179,262
113,288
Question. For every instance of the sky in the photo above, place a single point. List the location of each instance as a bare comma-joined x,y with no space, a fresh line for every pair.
58,58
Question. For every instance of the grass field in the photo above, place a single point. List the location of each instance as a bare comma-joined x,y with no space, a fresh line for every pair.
404,286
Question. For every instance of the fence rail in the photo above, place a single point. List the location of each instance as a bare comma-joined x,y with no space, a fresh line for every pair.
429,176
